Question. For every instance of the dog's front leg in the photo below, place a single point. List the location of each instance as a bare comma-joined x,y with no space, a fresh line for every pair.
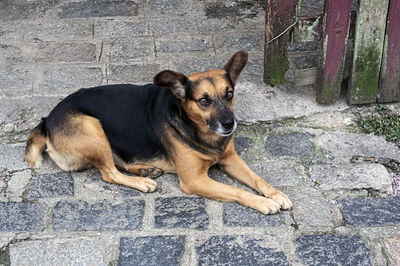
238,169
204,186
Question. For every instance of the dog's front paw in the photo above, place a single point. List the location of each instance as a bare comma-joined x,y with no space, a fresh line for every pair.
146,185
282,200
266,206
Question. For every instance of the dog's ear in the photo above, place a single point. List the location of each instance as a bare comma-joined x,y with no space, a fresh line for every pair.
235,65
177,82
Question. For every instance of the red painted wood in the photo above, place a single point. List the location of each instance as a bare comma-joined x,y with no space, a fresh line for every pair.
337,14
389,90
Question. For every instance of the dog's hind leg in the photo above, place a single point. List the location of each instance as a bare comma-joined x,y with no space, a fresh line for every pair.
142,170
35,145
82,141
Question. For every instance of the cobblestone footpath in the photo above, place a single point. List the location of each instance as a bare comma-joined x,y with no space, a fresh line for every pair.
344,213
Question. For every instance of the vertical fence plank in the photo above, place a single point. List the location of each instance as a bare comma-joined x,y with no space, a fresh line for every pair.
278,16
389,85
337,14
368,46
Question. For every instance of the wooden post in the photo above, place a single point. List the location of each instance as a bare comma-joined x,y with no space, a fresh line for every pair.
337,14
279,15
389,84
368,47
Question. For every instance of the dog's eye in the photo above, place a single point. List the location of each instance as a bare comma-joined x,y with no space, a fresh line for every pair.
204,101
229,95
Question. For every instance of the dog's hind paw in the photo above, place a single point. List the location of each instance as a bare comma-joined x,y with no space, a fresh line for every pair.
151,172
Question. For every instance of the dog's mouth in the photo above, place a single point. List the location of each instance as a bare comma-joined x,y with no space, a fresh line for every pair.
222,131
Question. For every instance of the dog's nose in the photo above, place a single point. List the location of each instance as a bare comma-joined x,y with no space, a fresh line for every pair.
228,123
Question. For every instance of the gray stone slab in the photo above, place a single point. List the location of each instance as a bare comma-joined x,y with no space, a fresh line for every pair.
348,145
98,8
393,247
125,49
12,157
352,176
59,184
162,26
64,52
24,9
113,28
333,250
61,30
191,65
174,7
102,215
241,144
65,79
277,173
312,8
18,184
304,212
237,215
181,212
180,45
238,250
289,145
371,211
138,73
234,9
10,53
72,251
243,41
151,250
16,81
306,62
93,177
21,217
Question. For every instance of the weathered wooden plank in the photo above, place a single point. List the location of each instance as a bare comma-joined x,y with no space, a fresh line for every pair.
337,14
368,46
389,84
279,15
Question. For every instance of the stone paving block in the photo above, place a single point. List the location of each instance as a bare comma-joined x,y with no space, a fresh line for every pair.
352,176
10,33
16,81
289,145
10,53
234,9
180,45
393,248
75,251
98,8
113,28
93,178
371,211
21,217
277,173
102,215
16,186
24,9
174,7
238,250
313,212
243,41
241,144
237,215
56,31
64,52
125,49
12,157
65,79
162,26
181,212
191,65
333,250
151,250
138,73
54,185
348,145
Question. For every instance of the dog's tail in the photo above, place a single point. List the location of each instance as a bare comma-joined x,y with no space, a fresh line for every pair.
36,144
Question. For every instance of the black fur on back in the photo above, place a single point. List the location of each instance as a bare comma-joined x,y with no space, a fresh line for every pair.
134,119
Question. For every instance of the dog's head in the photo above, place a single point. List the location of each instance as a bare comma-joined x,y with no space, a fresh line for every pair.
207,97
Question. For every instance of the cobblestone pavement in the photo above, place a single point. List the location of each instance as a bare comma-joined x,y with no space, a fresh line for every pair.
344,213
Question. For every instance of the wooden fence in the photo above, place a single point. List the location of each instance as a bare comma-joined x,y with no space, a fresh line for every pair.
375,67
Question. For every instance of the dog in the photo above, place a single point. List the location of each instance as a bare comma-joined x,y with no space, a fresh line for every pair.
180,124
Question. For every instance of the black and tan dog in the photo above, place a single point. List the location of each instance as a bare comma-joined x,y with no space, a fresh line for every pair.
178,124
